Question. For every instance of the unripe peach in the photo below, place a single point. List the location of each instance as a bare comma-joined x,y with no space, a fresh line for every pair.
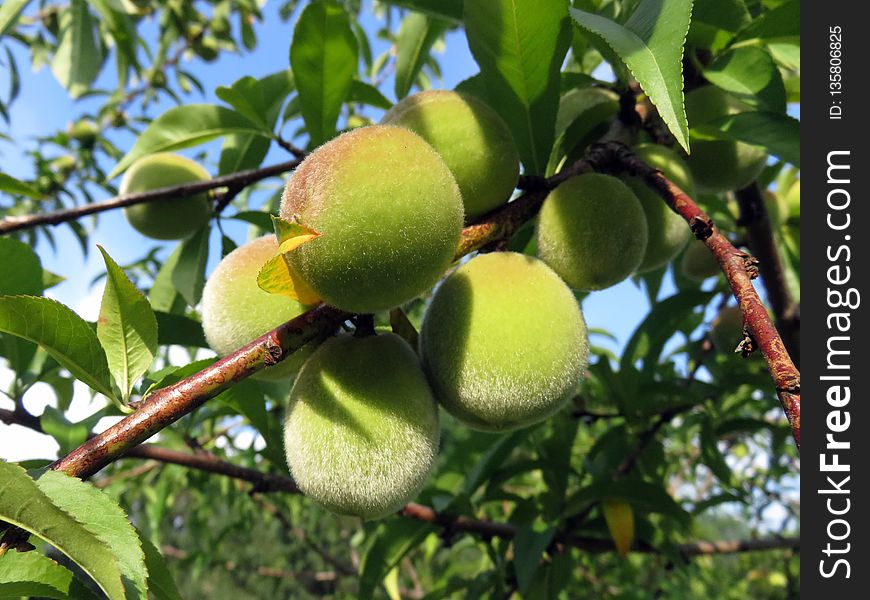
171,218
235,310
389,214
698,263
361,432
473,140
720,165
667,232
592,231
503,342
727,329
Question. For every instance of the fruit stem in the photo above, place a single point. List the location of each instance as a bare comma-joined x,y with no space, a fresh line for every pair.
364,325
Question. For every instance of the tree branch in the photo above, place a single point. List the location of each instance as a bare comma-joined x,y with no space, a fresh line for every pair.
786,312
167,405
269,482
236,181
739,269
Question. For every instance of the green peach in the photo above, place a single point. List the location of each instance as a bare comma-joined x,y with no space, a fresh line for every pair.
720,165
667,232
171,218
503,342
389,213
727,329
698,263
235,310
473,140
592,231
361,433
85,132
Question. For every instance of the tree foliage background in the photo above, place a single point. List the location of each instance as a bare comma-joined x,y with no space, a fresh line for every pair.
691,438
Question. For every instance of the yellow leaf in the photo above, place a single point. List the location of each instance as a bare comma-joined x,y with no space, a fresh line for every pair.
276,277
620,521
291,235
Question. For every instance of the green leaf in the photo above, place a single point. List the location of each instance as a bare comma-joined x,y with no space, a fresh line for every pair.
777,133
188,276
323,55
642,495
520,46
183,127
32,574
716,22
491,460
49,279
10,185
10,10
665,318
63,334
392,540
22,270
179,330
259,100
365,93
68,436
651,46
246,398
416,35
102,516
529,546
163,295
257,218
782,25
78,57
160,583
25,505
126,328
750,74
449,9
242,151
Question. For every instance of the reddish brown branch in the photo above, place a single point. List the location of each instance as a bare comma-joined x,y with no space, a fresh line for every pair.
739,269
754,216
205,461
236,181
167,405
269,482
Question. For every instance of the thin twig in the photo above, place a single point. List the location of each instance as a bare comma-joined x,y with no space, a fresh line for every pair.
236,181
739,269
754,216
269,482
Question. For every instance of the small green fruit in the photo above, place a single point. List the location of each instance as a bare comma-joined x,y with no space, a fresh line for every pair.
172,218
389,214
727,329
698,263
235,310
361,433
63,165
472,139
667,232
85,132
720,165
592,231
207,48
503,342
